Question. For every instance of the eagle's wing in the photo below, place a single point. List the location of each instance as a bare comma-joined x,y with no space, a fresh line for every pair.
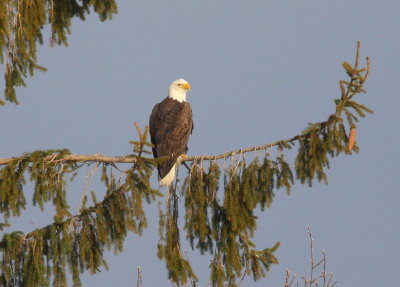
171,124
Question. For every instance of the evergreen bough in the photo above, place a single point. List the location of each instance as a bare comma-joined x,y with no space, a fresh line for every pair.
21,26
219,203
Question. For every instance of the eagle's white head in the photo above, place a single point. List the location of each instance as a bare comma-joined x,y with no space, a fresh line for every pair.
178,90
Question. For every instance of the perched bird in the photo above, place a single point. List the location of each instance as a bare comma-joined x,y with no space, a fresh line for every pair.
171,124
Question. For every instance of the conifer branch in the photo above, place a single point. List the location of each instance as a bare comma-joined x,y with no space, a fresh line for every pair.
349,90
222,227
79,240
132,159
21,31
77,158
86,210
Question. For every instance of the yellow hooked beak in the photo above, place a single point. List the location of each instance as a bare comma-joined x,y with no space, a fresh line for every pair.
185,86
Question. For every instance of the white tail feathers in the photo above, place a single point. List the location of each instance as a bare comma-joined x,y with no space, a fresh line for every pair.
169,178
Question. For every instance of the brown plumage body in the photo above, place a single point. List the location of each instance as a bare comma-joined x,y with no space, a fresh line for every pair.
171,124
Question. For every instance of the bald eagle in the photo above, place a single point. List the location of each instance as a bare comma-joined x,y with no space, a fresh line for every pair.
171,124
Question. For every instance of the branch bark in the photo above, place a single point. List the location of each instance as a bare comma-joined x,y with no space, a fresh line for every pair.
132,159
347,94
78,158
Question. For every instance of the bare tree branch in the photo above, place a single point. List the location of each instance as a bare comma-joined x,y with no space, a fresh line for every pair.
78,158
347,94
132,159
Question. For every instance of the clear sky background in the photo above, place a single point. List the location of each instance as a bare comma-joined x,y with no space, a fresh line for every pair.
260,71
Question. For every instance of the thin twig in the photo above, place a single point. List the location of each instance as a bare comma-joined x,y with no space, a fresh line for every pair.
368,69
287,278
311,253
324,270
313,281
142,144
242,278
87,179
357,56
139,279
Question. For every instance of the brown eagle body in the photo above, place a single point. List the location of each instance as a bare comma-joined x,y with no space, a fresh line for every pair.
171,124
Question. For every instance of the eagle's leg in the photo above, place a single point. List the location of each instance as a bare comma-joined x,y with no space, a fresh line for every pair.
184,163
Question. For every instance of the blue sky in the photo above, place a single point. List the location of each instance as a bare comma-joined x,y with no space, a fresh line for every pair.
260,71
